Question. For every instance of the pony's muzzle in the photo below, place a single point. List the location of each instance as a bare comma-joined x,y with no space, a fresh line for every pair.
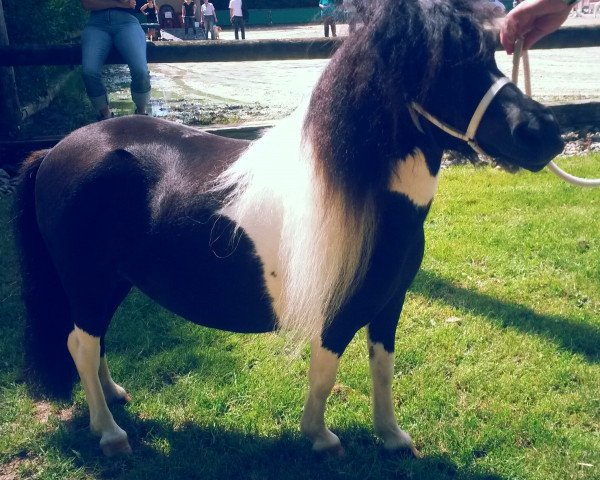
537,134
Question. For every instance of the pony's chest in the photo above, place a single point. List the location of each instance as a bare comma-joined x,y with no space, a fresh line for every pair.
412,178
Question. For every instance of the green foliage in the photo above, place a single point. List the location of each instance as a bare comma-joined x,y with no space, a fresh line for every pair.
496,370
45,22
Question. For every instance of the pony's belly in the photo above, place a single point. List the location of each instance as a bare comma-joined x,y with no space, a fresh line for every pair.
200,272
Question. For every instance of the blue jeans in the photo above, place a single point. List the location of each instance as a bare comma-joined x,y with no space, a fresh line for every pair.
105,29
209,23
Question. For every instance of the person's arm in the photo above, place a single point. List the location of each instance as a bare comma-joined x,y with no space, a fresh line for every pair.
532,20
214,12
104,4
230,12
143,9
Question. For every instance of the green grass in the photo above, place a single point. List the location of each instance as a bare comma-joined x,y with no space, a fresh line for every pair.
497,366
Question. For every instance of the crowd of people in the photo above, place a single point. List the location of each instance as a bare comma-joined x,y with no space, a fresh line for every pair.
113,23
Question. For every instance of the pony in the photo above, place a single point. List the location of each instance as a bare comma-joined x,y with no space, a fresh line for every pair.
316,228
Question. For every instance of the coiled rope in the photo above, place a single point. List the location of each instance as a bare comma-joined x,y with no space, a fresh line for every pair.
567,177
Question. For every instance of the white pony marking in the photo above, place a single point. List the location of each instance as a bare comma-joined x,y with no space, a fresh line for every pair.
312,249
112,391
85,350
323,369
412,177
385,425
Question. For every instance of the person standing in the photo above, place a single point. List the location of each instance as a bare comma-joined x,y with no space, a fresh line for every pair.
188,12
113,23
149,9
208,17
351,15
328,15
237,17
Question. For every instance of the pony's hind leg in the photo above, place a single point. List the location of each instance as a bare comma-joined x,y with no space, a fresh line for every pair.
112,391
85,350
323,369
386,427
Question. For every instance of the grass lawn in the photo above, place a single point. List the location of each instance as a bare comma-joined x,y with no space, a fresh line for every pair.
497,365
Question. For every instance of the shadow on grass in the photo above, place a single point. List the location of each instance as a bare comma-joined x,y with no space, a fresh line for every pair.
575,337
163,451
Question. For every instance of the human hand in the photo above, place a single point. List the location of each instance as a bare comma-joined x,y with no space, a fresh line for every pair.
532,20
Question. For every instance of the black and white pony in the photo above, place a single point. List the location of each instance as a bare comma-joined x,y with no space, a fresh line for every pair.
316,228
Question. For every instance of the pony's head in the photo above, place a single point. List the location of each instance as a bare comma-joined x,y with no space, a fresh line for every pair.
469,102
413,56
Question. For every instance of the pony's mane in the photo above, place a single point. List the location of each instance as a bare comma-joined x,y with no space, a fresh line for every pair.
361,98
320,185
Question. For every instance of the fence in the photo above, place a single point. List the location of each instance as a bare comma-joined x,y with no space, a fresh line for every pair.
249,50
293,49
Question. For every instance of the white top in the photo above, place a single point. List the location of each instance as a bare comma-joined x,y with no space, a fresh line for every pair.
208,9
237,7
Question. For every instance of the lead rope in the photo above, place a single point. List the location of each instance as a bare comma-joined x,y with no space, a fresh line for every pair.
567,177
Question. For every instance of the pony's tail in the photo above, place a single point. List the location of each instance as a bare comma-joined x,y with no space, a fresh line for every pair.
49,368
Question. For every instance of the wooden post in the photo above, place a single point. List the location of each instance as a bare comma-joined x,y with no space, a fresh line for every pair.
10,109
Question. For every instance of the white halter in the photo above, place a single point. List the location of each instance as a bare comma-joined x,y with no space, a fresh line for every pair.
469,135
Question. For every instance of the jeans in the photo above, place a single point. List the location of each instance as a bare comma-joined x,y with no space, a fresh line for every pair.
327,21
105,29
238,24
189,22
209,23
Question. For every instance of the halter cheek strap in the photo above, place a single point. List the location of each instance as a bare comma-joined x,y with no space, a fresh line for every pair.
469,135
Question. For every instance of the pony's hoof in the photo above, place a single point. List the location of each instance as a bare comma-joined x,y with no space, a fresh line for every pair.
122,398
116,448
116,394
401,442
335,452
405,451
327,444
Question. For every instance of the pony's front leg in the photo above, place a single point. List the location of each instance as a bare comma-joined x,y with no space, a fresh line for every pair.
381,362
85,350
112,391
323,369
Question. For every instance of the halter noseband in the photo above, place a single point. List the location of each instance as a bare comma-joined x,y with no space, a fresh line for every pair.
469,135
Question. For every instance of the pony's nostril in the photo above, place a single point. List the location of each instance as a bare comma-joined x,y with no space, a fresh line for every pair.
529,131
540,132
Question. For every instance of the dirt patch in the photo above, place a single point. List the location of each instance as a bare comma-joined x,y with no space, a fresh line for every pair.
45,410
10,470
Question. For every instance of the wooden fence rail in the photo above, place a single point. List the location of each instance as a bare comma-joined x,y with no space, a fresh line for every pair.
574,114
248,50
